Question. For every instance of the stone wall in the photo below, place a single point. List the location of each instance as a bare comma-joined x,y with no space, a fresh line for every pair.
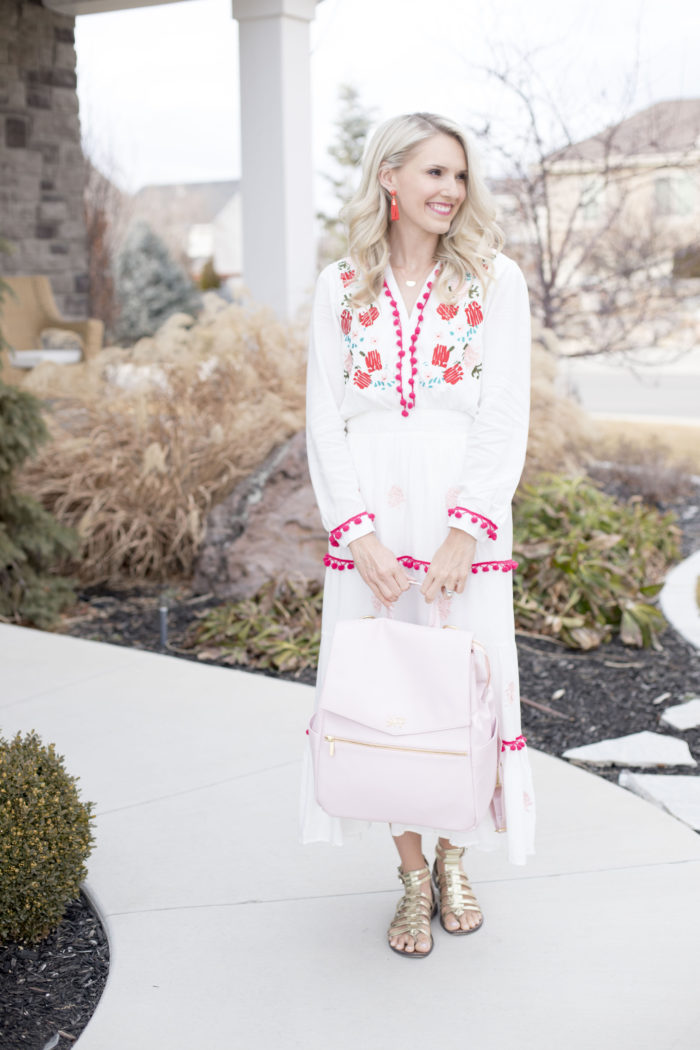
41,161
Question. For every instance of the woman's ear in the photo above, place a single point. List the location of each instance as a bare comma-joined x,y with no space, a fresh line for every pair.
386,179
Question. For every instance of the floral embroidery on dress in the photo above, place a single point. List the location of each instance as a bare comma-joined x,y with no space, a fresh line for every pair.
368,317
471,357
395,496
346,321
441,355
347,273
510,692
474,314
361,379
443,604
373,361
452,358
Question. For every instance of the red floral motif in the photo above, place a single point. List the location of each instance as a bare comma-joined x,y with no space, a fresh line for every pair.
369,316
453,374
446,311
345,321
474,314
347,275
361,379
441,355
373,361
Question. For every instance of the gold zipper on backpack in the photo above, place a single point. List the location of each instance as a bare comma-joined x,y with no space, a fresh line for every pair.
389,747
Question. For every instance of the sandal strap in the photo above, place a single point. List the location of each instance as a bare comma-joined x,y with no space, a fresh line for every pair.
456,894
414,911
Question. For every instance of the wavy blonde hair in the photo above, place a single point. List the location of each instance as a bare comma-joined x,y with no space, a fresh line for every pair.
472,239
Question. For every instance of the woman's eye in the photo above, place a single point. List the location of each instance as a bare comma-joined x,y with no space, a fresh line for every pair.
435,171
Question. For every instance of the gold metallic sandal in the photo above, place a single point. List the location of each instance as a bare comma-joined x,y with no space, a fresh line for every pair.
456,895
414,911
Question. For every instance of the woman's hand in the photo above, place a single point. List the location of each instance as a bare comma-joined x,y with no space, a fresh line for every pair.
378,567
450,566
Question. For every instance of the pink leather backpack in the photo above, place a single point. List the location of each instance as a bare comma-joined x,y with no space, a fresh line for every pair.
406,729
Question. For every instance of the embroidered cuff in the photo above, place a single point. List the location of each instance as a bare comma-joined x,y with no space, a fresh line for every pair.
359,525
472,522
332,561
514,745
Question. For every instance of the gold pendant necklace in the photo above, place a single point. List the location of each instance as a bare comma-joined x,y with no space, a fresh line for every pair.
413,283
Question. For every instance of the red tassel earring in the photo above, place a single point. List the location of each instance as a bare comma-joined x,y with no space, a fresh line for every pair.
394,207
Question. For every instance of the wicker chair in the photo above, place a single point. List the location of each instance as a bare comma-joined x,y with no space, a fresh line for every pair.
32,308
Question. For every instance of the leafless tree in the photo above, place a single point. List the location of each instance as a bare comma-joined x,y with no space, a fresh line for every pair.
597,255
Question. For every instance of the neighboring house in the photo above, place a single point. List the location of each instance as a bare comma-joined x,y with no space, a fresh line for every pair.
640,177
197,221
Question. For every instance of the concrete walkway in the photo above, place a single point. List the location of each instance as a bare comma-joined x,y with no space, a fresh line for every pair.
225,933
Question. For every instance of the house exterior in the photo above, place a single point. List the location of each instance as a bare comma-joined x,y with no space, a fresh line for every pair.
197,221
639,178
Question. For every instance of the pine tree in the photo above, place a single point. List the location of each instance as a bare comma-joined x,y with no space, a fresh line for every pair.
150,286
31,540
352,127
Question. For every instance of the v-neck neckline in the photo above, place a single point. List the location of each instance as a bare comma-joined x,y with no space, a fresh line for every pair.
398,294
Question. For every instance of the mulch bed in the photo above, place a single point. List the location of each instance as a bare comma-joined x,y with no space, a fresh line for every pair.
49,991
569,698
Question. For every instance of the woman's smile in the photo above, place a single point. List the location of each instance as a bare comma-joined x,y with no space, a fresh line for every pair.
440,207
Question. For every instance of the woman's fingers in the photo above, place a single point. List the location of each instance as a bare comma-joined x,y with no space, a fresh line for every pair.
380,570
450,567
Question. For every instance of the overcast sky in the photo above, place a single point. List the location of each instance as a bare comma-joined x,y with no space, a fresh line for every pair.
158,86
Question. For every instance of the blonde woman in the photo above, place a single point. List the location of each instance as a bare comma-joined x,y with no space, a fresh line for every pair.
417,415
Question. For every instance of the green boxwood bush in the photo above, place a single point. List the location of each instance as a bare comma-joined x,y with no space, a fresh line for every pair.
45,838
588,564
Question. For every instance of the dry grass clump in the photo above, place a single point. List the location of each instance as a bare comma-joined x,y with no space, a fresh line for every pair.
647,469
560,431
136,471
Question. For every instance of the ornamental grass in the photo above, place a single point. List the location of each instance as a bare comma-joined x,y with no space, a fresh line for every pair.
135,471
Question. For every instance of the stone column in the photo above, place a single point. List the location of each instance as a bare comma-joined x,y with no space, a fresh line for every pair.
277,168
42,173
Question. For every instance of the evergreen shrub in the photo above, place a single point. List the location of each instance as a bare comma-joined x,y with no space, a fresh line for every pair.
45,838
150,286
31,540
589,565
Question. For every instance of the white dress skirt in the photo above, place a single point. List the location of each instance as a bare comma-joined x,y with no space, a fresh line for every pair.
405,468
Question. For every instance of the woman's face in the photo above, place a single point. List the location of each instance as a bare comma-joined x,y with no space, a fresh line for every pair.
431,184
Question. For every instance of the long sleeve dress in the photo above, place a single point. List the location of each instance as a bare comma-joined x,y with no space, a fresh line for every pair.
416,424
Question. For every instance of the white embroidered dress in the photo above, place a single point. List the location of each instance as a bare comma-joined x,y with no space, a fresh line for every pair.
415,424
